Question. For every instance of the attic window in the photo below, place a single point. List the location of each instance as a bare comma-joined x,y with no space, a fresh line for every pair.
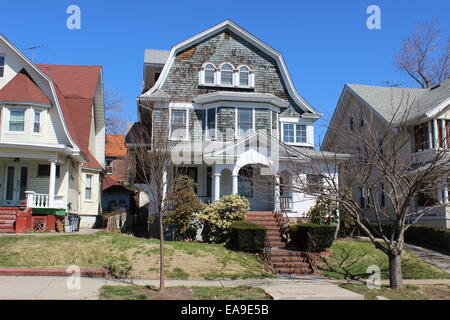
2,66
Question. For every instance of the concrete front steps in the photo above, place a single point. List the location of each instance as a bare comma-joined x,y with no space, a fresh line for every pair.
8,219
284,261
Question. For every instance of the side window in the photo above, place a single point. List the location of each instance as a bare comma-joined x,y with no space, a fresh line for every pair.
178,124
88,187
211,126
37,122
2,66
17,120
209,73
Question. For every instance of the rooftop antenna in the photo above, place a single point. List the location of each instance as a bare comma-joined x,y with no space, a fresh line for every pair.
33,50
391,84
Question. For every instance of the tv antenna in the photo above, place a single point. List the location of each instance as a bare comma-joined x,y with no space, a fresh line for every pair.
33,50
391,84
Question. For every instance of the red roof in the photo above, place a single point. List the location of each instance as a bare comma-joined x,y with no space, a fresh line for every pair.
115,145
76,87
23,89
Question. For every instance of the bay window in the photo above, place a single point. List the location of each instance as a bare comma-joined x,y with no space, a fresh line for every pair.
211,124
244,121
17,120
88,187
37,122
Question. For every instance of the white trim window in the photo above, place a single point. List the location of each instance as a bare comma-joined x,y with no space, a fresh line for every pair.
244,76
210,71
294,133
17,120
88,187
226,74
244,121
178,124
37,121
2,66
211,124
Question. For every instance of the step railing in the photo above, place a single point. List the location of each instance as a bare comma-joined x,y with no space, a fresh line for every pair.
42,201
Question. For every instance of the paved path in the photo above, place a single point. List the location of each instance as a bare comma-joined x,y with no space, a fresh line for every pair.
438,259
55,288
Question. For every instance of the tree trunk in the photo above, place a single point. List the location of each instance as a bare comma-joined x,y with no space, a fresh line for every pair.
395,271
161,254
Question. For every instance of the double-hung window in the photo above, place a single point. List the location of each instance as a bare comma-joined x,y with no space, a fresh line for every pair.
244,121
37,122
294,133
2,66
178,124
88,187
226,74
209,73
244,76
17,120
211,126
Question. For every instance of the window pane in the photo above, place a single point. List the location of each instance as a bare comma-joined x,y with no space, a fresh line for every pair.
211,127
245,121
17,115
227,74
178,122
288,132
243,76
37,122
209,76
300,133
2,66
17,120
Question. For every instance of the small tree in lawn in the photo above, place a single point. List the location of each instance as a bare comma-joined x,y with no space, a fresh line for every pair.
184,207
151,166
381,170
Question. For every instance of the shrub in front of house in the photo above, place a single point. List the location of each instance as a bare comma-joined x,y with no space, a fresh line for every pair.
247,236
218,217
312,237
433,237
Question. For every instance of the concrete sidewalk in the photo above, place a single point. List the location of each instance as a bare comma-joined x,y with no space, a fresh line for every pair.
55,288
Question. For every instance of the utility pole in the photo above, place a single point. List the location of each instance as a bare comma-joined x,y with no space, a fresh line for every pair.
33,50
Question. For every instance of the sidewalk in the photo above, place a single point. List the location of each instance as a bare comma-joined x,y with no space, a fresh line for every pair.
437,259
55,288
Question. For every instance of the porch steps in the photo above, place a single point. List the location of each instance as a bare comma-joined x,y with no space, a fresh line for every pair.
8,219
284,261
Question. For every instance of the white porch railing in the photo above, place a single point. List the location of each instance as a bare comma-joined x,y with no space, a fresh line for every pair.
37,200
285,203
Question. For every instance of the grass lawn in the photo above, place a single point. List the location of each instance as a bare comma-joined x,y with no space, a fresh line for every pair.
350,260
184,260
409,292
182,293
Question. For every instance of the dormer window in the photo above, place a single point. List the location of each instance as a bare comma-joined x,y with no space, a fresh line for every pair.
244,78
210,69
17,120
37,122
2,66
226,74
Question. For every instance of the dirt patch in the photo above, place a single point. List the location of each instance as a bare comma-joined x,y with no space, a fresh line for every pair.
436,292
167,294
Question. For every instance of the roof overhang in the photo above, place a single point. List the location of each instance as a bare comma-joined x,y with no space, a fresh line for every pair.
241,97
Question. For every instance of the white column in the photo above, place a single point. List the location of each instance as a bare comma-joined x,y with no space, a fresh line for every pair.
52,184
436,135
444,134
216,186
235,183
445,191
430,134
276,196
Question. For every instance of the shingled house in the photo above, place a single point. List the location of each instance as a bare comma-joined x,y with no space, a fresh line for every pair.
223,94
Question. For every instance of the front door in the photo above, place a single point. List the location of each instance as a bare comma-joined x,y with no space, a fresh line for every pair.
16,180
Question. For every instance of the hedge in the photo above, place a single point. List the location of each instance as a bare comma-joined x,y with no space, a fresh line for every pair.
312,237
432,237
247,236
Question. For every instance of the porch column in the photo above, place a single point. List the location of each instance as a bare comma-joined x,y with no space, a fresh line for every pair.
430,134
276,196
216,186
444,134
52,183
235,184
445,191
436,135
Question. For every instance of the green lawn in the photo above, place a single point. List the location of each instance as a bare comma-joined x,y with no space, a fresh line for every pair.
123,253
350,260
409,292
132,292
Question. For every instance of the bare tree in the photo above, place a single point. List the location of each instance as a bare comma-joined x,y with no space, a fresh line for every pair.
151,167
114,118
425,56
381,170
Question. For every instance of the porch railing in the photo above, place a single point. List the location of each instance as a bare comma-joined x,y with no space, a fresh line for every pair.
38,201
285,203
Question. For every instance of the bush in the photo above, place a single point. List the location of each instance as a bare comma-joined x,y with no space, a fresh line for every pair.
312,237
219,216
247,236
433,237
184,205
324,212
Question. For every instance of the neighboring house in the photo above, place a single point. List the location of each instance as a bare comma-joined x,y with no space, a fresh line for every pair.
426,115
52,136
225,89
115,191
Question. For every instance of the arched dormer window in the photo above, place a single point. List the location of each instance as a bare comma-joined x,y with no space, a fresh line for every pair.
226,74
244,76
210,69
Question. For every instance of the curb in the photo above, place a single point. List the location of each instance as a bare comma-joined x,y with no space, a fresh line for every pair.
53,272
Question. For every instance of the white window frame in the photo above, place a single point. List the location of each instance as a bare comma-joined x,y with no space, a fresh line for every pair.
8,119
248,76
202,75
40,112
297,121
2,75
91,179
186,136
236,124
206,124
219,76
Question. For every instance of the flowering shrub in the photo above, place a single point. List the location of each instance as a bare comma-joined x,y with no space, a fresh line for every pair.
218,217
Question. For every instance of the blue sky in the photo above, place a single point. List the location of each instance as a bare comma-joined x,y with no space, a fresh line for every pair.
324,43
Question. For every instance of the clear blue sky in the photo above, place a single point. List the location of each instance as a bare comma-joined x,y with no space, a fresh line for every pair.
324,43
